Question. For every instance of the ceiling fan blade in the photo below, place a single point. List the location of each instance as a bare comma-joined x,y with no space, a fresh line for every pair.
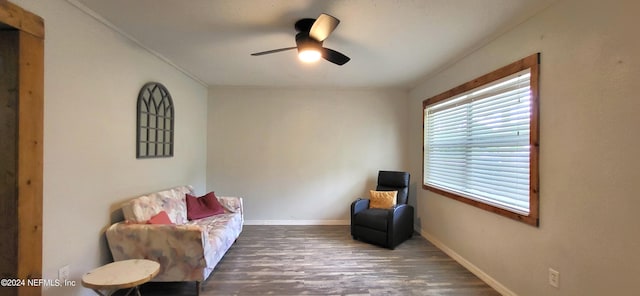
334,56
272,51
323,26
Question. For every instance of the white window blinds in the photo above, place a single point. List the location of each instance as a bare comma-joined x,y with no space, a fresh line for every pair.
477,143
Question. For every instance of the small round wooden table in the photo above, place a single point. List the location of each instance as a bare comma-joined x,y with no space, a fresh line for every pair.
121,275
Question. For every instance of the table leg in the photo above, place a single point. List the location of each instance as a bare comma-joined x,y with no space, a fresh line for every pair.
132,289
101,294
108,293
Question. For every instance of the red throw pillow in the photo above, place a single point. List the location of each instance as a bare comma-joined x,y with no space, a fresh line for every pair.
160,218
204,206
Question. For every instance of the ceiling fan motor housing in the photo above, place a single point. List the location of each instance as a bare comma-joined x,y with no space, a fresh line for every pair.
304,42
304,25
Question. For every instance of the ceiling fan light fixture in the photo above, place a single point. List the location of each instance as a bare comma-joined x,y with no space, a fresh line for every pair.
308,49
309,55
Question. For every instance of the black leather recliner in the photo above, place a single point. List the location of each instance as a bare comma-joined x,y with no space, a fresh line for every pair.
384,227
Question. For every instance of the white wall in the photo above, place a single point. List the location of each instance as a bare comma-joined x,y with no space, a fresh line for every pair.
301,156
589,169
92,79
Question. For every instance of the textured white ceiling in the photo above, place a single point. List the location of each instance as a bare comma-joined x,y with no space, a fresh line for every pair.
390,43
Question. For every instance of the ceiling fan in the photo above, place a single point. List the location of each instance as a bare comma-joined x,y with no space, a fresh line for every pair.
311,34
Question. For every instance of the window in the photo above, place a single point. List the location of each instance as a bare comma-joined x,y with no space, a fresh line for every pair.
155,122
481,142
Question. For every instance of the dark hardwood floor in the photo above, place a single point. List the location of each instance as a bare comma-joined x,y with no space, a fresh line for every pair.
325,260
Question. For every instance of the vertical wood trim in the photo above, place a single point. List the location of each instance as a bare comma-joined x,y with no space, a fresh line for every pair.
30,136
30,158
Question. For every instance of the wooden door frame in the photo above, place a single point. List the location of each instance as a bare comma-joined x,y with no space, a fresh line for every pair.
30,137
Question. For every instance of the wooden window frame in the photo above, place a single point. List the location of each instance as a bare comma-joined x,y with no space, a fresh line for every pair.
531,62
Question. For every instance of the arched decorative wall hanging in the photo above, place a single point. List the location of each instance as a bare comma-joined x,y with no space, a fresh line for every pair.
155,121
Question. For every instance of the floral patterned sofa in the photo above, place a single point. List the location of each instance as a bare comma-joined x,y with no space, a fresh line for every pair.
186,250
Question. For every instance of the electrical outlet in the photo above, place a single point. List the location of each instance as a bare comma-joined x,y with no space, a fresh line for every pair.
554,277
63,273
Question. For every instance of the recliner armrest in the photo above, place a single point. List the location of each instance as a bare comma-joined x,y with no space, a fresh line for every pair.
400,207
358,205
400,224
399,210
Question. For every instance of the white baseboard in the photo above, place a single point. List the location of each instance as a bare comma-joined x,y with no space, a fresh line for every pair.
297,222
468,265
